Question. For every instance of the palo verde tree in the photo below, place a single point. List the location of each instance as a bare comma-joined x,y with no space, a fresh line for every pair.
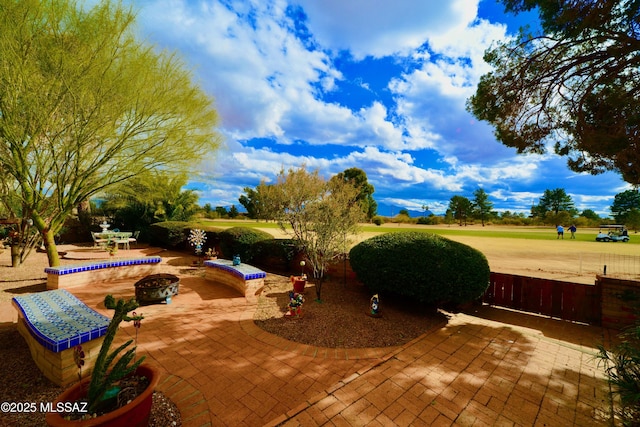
323,215
575,86
84,105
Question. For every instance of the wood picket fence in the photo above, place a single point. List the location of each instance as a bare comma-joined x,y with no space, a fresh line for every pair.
563,300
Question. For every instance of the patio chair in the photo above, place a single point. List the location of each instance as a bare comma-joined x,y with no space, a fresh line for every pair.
97,241
120,240
134,238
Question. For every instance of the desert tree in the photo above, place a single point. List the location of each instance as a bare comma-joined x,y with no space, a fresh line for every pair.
358,178
323,215
624,204
555,201
461,208
481,204
255,201
150,197
250,202
574,85
17,230
84,105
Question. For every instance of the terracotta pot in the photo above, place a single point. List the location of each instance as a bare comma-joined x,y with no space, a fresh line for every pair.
298,284
134,414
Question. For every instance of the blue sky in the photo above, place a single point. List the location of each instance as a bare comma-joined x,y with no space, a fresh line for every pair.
378,85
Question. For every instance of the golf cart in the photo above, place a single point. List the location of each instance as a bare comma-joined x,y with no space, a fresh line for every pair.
612,233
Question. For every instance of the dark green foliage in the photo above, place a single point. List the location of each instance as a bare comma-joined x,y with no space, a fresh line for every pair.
421,266
274,254
572,86
428,220
213,238
240,241
169,234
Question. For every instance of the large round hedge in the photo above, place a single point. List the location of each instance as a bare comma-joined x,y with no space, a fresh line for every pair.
240,241
421,266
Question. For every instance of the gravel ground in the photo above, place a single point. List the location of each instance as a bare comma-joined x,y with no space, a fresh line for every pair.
341,320
23,382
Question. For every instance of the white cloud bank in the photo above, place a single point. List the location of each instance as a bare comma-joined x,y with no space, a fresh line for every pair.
278,78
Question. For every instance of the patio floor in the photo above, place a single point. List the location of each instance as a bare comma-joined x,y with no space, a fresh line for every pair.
487,367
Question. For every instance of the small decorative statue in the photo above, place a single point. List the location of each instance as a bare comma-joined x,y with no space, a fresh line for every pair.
375,306
236,260
295,305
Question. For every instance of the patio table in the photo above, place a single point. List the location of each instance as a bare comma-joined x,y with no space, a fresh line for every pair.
116,237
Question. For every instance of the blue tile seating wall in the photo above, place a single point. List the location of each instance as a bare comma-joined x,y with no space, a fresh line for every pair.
58,320
77,268
244,271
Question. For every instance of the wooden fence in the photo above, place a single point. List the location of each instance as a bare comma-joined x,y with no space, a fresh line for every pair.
564,300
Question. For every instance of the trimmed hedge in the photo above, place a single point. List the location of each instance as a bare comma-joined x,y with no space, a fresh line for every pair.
274,254
169,234
240,241
175,235
422,266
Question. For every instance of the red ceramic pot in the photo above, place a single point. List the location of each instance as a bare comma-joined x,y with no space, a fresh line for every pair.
134,414
298,284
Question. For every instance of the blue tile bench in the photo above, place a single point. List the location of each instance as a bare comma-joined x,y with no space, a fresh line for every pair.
53,323
246,278
68,276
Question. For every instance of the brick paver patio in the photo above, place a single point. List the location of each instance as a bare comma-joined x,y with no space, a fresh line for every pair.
513,370
488,367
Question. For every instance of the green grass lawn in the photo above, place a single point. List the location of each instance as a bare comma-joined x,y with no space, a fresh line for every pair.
526,233
531,234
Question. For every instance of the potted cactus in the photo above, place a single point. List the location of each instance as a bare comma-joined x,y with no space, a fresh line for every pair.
119,391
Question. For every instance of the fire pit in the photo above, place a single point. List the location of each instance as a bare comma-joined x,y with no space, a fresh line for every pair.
156,288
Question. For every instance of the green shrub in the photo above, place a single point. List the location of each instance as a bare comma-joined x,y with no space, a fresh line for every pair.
240,241
169,234
422,266
430,220
377,220
274,254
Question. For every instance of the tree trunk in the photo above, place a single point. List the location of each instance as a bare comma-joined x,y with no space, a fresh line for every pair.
15,255
52,249
319,282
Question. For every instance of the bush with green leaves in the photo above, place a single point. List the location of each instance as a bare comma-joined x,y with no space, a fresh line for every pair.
275,254
169,234
240,241
421,266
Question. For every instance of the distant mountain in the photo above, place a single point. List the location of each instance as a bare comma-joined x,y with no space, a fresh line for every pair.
391,211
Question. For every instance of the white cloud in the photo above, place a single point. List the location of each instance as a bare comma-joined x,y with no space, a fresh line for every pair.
386,27
271,84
